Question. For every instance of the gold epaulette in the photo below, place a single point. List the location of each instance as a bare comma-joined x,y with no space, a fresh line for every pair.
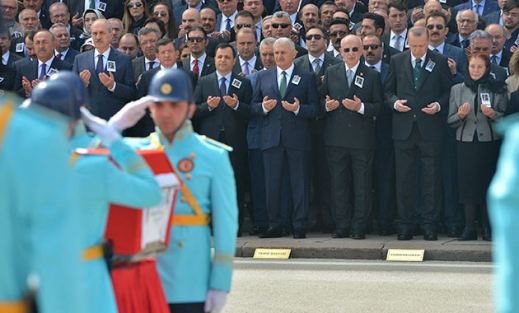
216,143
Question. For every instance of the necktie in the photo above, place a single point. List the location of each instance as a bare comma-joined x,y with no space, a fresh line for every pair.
246,70
397,42
43,71
436,50
150,65
99,66
373,67
476,8
283,85
317,66
493,59
223,91
465,43
195,68
349,75
92,4
417,72
59,56
228,25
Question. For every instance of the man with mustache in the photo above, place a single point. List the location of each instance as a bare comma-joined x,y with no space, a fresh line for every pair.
30,74
107,73
309,15
63,50
339,29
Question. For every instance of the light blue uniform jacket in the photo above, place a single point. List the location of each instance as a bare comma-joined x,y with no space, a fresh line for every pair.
38,225
503,201
187,270
100,183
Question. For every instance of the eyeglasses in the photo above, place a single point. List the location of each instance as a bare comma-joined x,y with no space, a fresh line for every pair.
432,26
316,37
340,33
373,47
466,21
196,39
240,26
161,13
136,4
513,14
277,25
354,49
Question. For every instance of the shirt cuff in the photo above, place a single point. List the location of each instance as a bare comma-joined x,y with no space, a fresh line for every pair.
265,111
237,105
439,107
327,108
361,110
113,88
297,111
394,105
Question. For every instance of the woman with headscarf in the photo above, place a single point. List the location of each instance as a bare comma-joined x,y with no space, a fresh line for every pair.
89,16
474,107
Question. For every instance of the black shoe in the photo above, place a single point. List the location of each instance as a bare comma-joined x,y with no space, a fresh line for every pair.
272,232
341,233
487,234
429,235
386,231
405,235
358,235
299,233
468,234
257,230
454,232
285,231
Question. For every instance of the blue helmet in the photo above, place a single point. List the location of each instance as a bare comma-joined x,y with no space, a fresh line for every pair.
171,85
52,95
75,83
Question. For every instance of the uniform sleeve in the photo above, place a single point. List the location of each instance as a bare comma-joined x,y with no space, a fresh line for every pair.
134,183
224,210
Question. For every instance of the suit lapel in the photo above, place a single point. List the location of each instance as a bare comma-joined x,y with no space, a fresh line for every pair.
92,64
359,72
425,73
410,68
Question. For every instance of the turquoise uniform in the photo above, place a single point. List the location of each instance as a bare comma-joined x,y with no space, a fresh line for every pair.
38,225
503,201
101,183
188,270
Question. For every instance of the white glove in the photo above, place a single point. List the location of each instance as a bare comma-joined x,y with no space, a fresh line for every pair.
215,301
130,114
99,126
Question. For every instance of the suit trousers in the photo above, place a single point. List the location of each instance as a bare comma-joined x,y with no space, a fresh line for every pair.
296,161
453,210
430,185
349,166
197,307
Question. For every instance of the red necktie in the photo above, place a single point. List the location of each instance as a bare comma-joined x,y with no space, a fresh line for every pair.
59,56
196,69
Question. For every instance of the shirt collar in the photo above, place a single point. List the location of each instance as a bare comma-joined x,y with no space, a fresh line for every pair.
378,66
312,58
227,77
288,71
402,34
200,59
173,67
64,53
252,61
413,59
48,63
5,57
354,68
106,54
439,48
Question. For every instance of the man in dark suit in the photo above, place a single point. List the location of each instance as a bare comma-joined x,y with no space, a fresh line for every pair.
282,27
339,28
475,5
107,73
374,24
481,41
30,74
247,61
167,54
498,54
225,20
223,106
62,49
43,14
193,4
467,22
111,8
352,95
417,89
317,61
397,18
199,62
190,20
287,97
385,200
59,13
457,61
148,37
8,58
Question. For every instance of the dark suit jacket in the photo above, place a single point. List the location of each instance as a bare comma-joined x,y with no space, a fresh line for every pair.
388,53
498,72
209,49
490,6
208,68
30,71
138,65
453,26
459,56
296,128
237,67
434,87
505,58
233,121
45,19
75,40
7,77
384,69
13,57
346,128
104,103
304,63
178,11
493,17
114,8
513,104
71,55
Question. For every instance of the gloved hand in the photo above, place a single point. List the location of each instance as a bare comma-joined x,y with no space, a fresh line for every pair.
215,301
130,114
99,126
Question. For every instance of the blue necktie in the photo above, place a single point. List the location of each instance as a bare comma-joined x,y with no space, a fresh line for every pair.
228,26
43,71
223,91
99,67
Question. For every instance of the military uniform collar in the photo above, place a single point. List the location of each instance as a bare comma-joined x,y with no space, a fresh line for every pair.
183,133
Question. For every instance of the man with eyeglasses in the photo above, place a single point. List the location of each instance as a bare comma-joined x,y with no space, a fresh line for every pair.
417,89
499,55
374,24
511,23
282,27
317,61
244,19
9,13
59,13
62,49
117,32
129,44
107,73
148,37
198,62
339,29
352,95
191,19
247,61
467,22
481,41
255,7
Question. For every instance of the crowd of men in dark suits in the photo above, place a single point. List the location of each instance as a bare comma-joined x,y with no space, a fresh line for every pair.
331,121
